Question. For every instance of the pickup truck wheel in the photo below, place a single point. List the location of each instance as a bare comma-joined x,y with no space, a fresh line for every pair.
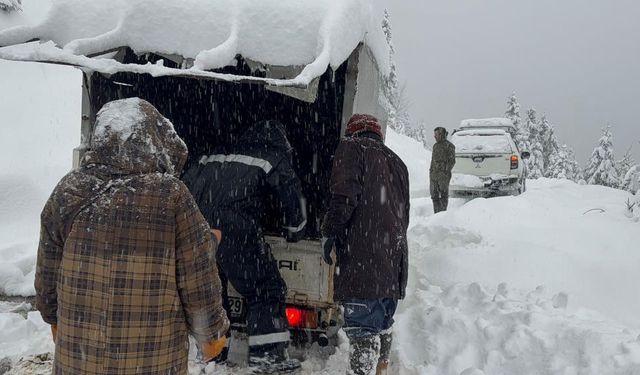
523,187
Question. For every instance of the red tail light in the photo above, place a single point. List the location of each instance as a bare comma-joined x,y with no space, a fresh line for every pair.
301,318
514,161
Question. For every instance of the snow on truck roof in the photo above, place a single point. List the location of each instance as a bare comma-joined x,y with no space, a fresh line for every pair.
480,132
481,140
206,34
496,122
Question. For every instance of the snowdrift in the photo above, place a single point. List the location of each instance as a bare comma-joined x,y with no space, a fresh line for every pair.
417,159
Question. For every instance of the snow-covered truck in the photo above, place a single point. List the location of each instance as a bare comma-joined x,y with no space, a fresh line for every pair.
488,161
212,67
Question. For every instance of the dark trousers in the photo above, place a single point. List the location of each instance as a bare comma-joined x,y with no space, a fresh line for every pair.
439,194
250,267
366,317
367,323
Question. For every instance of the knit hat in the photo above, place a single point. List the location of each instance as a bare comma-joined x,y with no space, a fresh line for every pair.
363,123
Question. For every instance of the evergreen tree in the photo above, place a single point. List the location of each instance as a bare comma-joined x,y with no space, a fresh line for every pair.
575,171
550,147
535,163
563,164
631,181
421,134
513,110
10,5
513,113
623,165
557,167
397,105
601,169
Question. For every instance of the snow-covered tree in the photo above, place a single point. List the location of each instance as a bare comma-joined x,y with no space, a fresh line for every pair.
601,169
10,5
513,113
550,147
563,164
623,165
402,104
397,101
513,110
421,134
631,180
574,166
535,163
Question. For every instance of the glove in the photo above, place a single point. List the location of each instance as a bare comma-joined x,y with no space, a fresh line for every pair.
211,350
54,332
327,247
217,233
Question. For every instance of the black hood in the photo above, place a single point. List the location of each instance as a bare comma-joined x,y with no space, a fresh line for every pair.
267,133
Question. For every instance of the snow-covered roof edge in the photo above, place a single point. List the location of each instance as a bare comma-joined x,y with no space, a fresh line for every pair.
312,34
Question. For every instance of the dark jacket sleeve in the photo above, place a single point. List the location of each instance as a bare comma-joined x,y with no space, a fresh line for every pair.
404,269
48,263
283,179
196,272
346,188
191,179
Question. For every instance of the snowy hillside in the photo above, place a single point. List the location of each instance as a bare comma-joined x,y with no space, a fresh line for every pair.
535,284
416,158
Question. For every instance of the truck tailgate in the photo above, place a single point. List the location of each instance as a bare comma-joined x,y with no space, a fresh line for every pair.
309,279
483,164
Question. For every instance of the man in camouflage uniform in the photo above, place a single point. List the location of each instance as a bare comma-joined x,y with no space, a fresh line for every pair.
443,159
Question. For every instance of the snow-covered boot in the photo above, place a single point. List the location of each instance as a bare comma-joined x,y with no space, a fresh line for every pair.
364,355
271,359
265,365
385,350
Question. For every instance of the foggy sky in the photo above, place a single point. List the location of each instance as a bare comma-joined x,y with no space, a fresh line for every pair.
578,61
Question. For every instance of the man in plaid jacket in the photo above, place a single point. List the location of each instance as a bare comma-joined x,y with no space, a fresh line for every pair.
126,266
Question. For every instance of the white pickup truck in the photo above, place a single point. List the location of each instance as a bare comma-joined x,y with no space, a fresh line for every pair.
488,161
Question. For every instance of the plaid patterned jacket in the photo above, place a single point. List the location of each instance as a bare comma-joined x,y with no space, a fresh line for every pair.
126,269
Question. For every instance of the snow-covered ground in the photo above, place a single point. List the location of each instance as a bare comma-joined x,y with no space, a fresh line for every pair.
535,284
39,113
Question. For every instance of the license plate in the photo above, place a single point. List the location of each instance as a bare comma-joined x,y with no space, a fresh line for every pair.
236,307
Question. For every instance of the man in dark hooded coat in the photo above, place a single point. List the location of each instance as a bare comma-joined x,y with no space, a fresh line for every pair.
125,265
231,187
367,220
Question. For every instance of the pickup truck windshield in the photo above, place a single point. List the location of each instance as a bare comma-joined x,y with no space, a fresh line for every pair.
481,143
